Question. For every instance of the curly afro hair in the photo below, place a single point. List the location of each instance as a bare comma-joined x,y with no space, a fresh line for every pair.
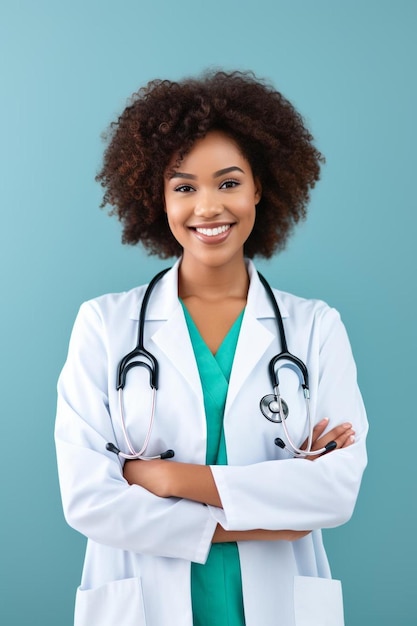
165,118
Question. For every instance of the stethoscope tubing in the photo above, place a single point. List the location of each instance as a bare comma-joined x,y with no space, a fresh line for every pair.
150,363
133,454
125,365
139,350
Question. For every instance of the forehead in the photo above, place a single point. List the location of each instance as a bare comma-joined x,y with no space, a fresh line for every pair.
216,150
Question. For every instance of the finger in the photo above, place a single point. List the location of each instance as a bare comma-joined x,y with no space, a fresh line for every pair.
338,434
318,430
337,431
347,440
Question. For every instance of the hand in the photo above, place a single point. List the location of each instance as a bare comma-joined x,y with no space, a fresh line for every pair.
225,536
343,435
152,475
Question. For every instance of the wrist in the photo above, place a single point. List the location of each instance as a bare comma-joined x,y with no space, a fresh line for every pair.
172,479
193,482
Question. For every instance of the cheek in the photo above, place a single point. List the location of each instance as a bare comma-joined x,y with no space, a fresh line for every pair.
175,222
247,210
170,210
171,222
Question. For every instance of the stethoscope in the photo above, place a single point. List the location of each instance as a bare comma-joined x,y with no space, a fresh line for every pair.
272,405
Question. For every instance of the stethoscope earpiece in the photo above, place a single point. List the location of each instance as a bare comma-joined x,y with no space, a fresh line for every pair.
332,445
279,442
168,454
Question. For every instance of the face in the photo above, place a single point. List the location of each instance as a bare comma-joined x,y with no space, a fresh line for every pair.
210,201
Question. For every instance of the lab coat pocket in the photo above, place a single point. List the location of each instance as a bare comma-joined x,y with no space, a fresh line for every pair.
318,601
118,603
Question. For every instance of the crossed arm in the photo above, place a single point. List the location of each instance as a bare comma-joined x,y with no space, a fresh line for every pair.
195,482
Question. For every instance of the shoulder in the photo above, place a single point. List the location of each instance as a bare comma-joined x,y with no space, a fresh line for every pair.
296,305
111,308
314,322
123,300
297,310
260,284
312,315
114,308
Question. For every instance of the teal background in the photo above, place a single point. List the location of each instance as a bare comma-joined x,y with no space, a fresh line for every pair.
67,68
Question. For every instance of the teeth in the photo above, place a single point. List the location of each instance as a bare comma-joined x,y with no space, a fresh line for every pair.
212,232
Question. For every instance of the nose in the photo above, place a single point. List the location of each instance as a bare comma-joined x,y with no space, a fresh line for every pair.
208,206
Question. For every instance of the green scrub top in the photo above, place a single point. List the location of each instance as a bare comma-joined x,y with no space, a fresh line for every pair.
216,586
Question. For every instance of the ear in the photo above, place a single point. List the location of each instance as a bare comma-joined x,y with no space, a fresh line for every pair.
258,190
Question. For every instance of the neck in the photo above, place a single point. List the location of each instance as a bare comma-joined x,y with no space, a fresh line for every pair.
213,283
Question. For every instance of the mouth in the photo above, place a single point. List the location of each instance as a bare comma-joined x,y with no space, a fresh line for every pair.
213,232
212,235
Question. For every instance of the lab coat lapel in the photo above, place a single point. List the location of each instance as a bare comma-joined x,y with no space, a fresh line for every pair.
173,340
172,337
254,337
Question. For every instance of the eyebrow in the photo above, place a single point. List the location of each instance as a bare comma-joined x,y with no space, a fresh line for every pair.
221,172
226,170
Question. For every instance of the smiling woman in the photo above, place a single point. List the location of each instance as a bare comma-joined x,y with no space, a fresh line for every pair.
215,170
211,208
162,124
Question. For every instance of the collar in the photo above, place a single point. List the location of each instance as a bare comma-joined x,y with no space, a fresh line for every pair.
164,299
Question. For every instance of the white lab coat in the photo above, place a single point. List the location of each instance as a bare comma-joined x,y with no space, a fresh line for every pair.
140,546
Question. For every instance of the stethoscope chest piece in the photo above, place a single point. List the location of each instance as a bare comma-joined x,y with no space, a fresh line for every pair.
270,407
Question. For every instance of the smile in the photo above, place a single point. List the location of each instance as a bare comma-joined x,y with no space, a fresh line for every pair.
213,232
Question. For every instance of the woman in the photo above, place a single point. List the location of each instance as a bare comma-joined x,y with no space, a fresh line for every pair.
215,171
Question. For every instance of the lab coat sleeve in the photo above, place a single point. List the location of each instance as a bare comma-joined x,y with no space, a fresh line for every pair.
97,500
299,494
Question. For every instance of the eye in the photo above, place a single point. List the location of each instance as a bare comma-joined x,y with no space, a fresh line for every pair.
229,184
184,188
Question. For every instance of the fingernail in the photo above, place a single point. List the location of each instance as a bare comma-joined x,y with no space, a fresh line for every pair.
347,425
325,419
351,439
